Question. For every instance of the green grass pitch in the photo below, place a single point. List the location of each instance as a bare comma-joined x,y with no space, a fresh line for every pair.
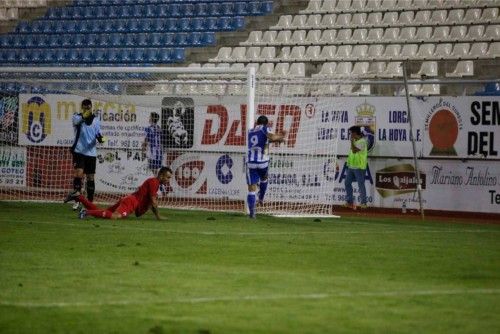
228,274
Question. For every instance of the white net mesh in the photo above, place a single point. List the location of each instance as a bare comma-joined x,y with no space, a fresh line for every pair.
203,118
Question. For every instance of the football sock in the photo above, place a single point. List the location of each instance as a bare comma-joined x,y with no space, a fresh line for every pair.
251,203
100,213
90,190
77,184
262,190
86,203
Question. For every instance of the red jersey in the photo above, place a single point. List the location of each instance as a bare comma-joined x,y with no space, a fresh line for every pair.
144,194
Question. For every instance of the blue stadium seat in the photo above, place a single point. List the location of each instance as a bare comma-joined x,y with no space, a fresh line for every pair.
109,26
73,56
130,39
12,55
226,8
23,55
174,10
137,55
157,39
48,56
61,55
53,13
87,12
213,9
6,40
177,55
79,13
134,26
126,11
211,24
240,8
146,25
225,23
151,55
142,40
187,10
490,89
254,8
116,40
181,39
138,11
124,55
103,40
100,55
169,24
91,40
23,27
87,55
184,24
79,40
112,56
104,12
200,9
267,7
18,41
165,39
197,24
35,56
40,41
164,55
208,38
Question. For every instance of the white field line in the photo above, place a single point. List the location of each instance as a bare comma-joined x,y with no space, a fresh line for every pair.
105,224
215,299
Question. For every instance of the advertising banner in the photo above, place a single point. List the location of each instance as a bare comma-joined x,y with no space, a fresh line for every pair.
13,166
8,118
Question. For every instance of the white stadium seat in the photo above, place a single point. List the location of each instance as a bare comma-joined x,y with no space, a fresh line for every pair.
408,34
343,5
254,38
268,53
440,34
464,68
328,53
284,22
314,21
455,16
427,69
408,51
390,18
423,34
298,22
375,69
344,35
472,15
375,51
422,17
312,53
392,51
391,35
328,36
298,53
312,7
253,53
343,69
406,18
375,35
328,21
478,50
269,37
443,51
460,50
458,33
426,51
360,35
393,70
298,37
374,19
223,55
494,50
343,51
439,16
492,32
359,52
313,37
284,37
490,15
360,69
359,19
284,54
343,20
475,32
327,70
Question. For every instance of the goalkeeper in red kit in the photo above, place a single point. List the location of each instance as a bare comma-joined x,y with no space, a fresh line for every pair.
139,202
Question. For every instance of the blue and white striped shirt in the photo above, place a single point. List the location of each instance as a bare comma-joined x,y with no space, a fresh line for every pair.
258,142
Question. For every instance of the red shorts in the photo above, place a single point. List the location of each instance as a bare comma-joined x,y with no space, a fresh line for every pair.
126,205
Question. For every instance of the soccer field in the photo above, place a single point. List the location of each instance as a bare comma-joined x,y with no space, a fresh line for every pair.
204,272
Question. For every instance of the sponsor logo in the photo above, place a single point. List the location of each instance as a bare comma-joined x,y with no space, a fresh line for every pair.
310,110
178,122
398,179
36,117
223,169
365,118
189,174
443,124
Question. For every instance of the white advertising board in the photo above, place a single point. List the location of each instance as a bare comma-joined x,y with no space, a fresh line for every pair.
13,166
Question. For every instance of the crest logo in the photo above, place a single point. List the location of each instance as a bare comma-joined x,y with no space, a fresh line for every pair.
365,118
397,179
36,119
443,124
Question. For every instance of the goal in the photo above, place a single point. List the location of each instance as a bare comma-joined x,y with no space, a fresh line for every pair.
204,116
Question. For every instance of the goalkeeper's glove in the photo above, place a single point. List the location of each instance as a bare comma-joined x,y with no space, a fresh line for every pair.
101,139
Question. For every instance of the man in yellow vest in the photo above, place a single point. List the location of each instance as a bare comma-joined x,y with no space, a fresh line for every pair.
357,161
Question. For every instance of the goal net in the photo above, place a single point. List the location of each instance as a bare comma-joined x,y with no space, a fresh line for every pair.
204,115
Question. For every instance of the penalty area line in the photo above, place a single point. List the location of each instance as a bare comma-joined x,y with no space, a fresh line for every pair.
215,299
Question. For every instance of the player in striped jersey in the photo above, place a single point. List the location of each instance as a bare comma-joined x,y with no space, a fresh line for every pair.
257,160
153,143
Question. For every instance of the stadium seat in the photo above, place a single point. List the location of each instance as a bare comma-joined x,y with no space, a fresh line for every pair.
439,16
429,89
492,32
408,34
343,20
269,37
254,38
343,69
390,18
375,35
298,53
224,55
423,34
360,35
344,35
328,53
458,33
268,53
265,70
284,37
409,51
359,19
425,51
328,36
460,50
343,52
344,5
314,6
472,15
375,51
440,34
360,69
464,68
478,50
427,69
493,50
443,51
253,53
359,52
298,37
328,21
391,35
281,70
375,69
238,54
313,22
284,23
422,17
327,70
313,37
406,18
475,32
489,15
312,53
455,16
373,5
392,51
284,54
240,8
298,22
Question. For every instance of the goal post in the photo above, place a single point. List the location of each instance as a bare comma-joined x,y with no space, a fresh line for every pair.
204,116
